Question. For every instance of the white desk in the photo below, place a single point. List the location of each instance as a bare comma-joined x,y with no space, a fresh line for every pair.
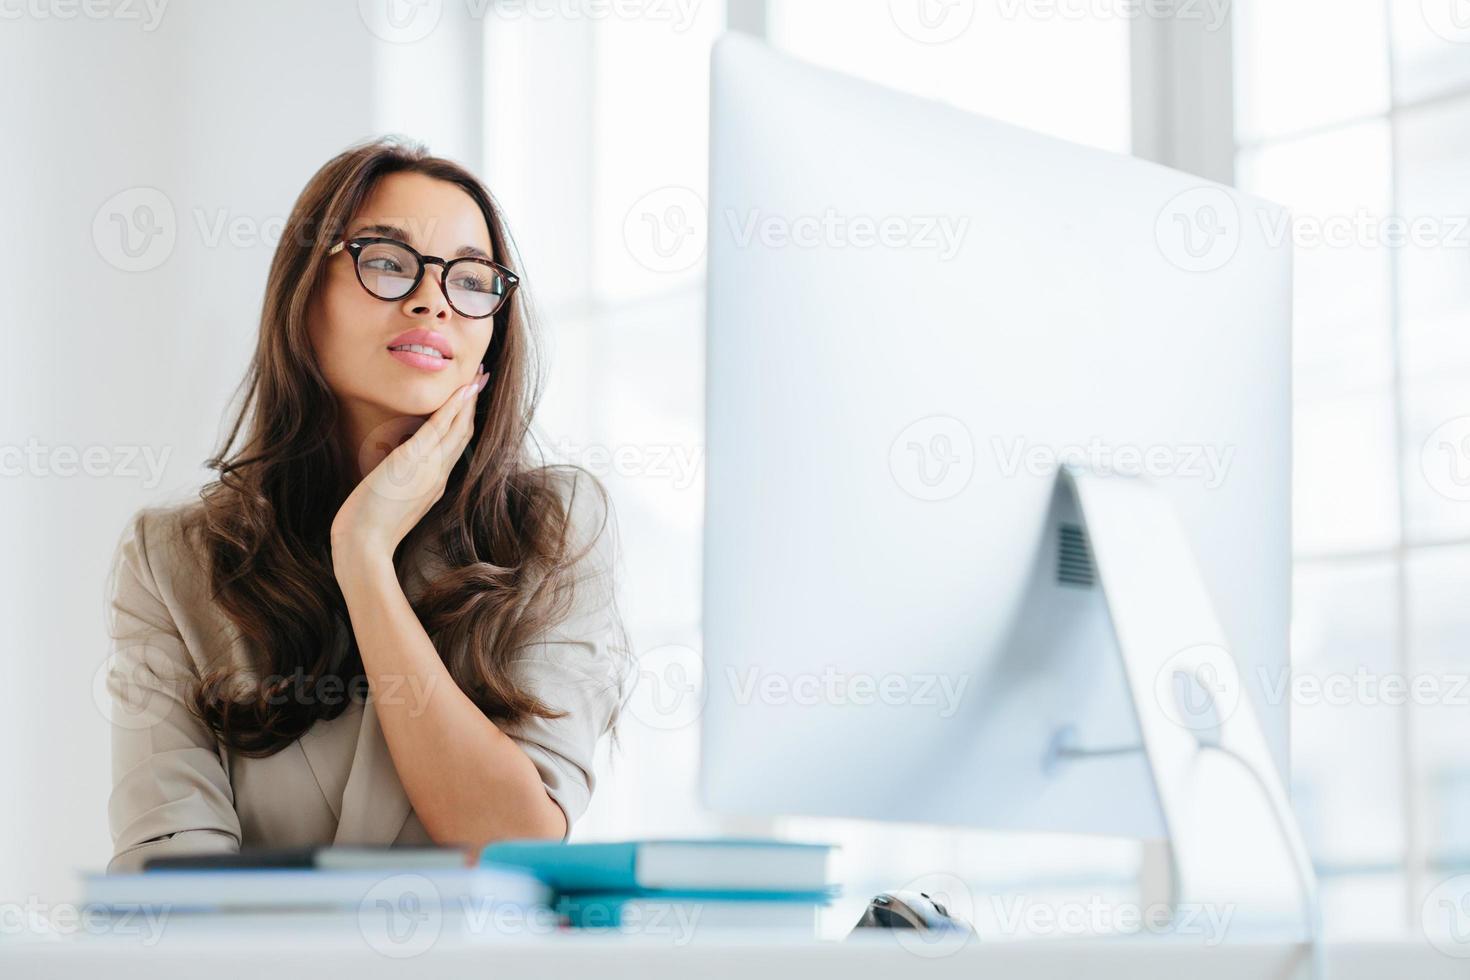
611,957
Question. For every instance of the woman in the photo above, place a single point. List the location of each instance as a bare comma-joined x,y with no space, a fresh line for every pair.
381,624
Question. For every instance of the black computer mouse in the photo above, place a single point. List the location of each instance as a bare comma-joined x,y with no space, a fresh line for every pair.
910,910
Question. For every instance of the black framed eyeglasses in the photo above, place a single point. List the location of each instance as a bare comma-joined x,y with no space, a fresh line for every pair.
390,269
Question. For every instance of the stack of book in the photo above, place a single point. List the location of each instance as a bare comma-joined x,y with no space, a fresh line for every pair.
675,888
367,889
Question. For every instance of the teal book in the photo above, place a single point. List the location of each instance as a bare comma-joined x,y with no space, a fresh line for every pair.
716,865
685,913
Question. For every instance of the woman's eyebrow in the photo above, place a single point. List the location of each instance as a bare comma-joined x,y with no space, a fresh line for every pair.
386,231
393,231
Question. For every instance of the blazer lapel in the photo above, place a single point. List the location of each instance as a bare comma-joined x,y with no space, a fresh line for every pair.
329,747
374,804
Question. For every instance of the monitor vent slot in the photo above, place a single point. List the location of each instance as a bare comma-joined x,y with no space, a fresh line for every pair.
1074,560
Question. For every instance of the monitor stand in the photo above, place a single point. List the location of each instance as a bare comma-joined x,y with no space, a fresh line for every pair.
1197,722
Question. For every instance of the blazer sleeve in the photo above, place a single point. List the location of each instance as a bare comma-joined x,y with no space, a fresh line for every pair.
578,666
170,790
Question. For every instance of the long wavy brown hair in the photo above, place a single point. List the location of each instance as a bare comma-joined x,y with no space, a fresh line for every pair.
502,527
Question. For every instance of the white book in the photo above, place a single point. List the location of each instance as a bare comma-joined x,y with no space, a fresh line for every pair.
266,889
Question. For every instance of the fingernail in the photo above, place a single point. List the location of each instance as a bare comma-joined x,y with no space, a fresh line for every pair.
482,367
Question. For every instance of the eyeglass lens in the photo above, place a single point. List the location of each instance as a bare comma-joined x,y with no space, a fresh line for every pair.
389,271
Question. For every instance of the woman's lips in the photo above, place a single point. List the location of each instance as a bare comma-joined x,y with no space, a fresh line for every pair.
424,362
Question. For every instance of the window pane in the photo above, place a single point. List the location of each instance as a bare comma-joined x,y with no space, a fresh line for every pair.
1434,194
650,164
1017,62
1431,47
1437,460
1439,580
1301,64
1344,628
1344,496
1338,187
624,401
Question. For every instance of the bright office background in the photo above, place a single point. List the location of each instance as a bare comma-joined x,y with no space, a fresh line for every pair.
588,119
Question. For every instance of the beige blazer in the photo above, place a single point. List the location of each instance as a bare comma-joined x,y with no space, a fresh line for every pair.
176,789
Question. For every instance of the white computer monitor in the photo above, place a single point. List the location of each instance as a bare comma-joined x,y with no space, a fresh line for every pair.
914,314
